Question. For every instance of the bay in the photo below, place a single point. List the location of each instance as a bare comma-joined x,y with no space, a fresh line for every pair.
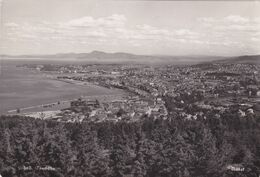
21,88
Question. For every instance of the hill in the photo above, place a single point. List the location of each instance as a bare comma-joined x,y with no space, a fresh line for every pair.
248,59
119,57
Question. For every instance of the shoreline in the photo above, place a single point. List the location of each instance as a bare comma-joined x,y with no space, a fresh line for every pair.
51,106
50,101
39,106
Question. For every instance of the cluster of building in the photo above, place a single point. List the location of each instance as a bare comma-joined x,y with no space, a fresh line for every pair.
189,92
129,108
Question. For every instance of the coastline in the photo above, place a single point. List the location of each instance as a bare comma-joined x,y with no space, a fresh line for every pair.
59,105
30,91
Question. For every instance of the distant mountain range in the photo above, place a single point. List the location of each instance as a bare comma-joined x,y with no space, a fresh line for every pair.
120,57
252,59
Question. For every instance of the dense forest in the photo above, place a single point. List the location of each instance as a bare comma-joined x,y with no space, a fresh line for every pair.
149,147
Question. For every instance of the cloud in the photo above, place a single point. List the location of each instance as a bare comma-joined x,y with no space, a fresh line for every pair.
234,28
115,30
150,30
114,20
183,32
233,31
231,22
88,29
206,19
11,25
236,19
187,33
255,39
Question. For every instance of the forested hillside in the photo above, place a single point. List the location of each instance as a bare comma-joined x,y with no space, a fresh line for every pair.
167,148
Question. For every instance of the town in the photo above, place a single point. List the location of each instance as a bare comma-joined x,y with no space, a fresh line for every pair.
191,92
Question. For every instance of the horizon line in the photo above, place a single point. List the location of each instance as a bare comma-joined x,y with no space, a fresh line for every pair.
169,55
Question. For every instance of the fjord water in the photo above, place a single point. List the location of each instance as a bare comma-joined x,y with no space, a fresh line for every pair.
21,87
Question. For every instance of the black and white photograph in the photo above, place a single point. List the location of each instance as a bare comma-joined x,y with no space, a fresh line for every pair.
129,88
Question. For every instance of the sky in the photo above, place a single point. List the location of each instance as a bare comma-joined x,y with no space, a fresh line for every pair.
223,28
